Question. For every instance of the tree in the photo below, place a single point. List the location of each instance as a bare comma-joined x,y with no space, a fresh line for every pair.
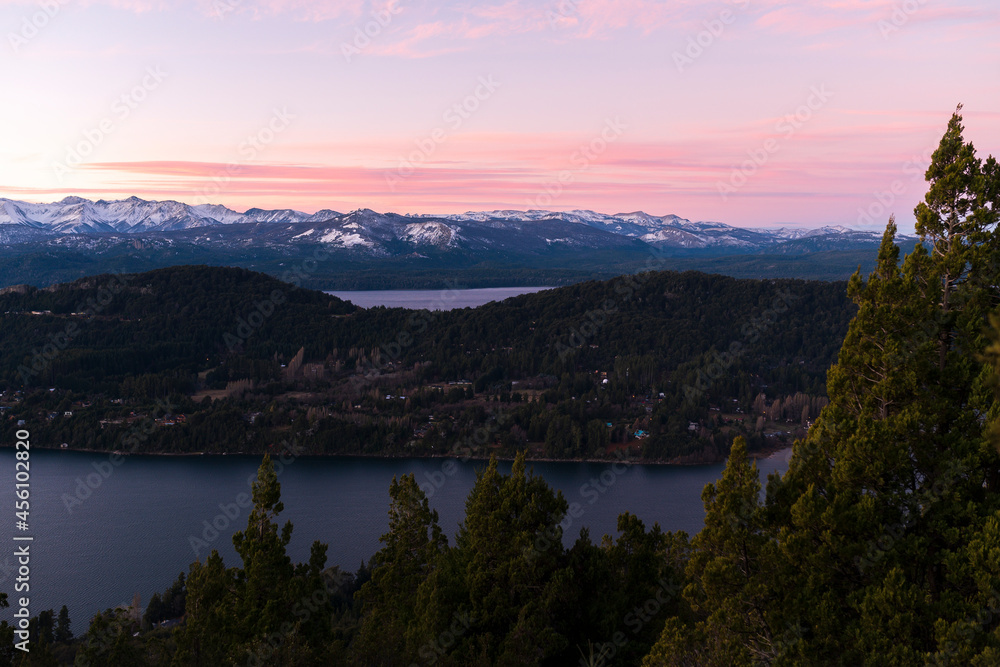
267,612
509,550
108,640
263,582
878,545
411,550
45,626
887,492
645,573
728,596
63,632
208,636
6,636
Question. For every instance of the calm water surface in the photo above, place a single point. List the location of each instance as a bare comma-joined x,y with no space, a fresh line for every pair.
133,534
443,299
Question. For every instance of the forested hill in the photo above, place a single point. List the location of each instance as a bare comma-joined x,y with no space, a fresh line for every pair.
728,356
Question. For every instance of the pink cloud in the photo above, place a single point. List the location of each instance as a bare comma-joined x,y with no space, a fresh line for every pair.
485,171
299,10
824,17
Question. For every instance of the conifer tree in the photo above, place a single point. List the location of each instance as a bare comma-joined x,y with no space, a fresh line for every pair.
63,632
263,581
411,550
730,619
265,612
877,542
509,551
209,633
6,636
896,477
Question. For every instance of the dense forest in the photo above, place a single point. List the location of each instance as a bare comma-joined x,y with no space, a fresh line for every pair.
55,264
672,366
879,546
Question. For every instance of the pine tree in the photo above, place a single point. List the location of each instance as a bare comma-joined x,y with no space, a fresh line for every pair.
209,634
411,550
63,632
263,581
265,612
509,550
728,597
6,636
879,543
896,477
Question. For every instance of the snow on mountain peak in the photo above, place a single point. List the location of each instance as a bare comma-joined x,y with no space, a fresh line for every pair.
364,227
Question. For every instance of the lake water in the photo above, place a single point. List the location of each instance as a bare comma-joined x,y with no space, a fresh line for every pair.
443,299
133,533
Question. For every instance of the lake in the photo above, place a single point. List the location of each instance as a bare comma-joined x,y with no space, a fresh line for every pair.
134,532
442,299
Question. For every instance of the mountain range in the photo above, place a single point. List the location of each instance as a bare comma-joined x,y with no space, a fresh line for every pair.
47,243
364,229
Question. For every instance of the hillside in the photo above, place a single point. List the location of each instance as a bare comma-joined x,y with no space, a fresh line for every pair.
676,363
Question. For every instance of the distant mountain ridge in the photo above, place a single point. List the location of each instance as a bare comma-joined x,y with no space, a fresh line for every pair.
367,230
42,244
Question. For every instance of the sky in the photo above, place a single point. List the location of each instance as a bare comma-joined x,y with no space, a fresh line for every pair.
748,112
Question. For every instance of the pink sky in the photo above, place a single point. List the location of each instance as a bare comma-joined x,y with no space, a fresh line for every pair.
750,112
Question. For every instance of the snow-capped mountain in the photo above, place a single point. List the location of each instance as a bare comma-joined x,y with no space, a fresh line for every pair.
75,220
669,230
75,215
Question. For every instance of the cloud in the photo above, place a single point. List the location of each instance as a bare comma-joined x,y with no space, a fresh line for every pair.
482,171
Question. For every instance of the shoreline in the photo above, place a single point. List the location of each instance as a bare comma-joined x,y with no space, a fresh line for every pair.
756,456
